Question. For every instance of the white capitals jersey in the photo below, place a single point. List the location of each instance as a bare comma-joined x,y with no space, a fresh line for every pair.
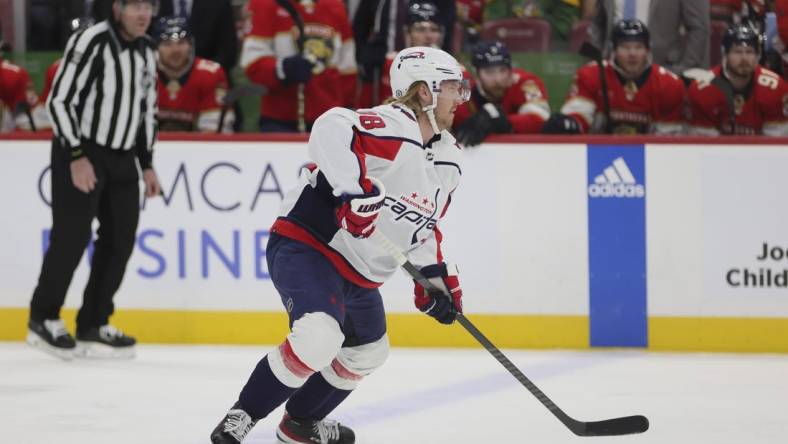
384,142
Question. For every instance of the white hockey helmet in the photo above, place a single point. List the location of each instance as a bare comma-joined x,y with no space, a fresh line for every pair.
429,65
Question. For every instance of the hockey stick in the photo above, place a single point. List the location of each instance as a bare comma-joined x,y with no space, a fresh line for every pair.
24,108
701,75
235,94
299,22
592,52
617,426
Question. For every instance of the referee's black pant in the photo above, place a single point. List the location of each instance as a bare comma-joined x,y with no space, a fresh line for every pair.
115,202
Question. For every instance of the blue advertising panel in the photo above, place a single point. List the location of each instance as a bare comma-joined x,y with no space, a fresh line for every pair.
617,245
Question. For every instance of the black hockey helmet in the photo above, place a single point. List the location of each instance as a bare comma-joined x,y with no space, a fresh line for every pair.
422,11
173,29
629,30
490,53
80,23
741,35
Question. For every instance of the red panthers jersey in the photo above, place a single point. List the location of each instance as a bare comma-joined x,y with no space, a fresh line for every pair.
193,101
524,103
652,103
39,112
49,79
761,109
15,88
328,41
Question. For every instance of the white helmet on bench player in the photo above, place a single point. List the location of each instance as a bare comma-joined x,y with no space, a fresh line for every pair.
429,65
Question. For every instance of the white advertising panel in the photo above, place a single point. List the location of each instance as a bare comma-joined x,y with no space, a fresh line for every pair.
718,231
517,228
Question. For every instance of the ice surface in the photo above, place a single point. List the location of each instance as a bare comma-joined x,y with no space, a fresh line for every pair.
177,394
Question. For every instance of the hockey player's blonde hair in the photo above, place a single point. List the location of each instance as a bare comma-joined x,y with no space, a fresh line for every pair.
410,99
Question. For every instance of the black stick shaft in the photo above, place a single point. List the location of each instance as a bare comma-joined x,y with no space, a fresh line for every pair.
615,426
486,343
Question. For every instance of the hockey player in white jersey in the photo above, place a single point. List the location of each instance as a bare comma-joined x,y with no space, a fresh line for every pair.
392,168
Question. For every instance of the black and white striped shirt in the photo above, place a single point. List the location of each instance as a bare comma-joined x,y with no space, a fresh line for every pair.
105,94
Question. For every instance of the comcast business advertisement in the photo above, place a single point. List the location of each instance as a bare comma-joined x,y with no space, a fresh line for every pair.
199,245
745,219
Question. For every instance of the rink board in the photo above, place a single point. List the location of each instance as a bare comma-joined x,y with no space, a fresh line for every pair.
547,259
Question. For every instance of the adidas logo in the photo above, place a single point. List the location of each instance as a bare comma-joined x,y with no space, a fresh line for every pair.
616,180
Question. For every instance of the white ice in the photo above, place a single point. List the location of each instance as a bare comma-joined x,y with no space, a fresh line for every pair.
177,394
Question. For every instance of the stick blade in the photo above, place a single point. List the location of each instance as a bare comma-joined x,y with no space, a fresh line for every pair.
627,425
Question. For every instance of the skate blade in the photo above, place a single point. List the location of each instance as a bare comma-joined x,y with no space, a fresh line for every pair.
35,341
94,350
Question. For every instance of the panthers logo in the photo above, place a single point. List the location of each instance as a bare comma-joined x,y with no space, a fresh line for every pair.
319,51
532,91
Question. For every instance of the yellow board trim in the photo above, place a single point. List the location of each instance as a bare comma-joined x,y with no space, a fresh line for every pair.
718,334
715,334
405,330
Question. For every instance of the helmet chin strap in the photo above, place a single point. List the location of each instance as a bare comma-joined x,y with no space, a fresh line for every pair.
430,110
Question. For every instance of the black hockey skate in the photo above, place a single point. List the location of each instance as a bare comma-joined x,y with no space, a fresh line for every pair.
52,337
105,342
235,425
293,430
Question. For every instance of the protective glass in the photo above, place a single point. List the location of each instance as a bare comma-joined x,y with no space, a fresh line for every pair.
454,89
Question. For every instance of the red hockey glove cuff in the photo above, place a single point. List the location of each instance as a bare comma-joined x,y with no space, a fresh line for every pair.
445,304
358,214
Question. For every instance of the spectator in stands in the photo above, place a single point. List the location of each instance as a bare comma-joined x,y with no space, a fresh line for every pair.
17,95
780,41
422,29
191,89
503,99
680,28
739,96
642,97
469,17
734,11
302,85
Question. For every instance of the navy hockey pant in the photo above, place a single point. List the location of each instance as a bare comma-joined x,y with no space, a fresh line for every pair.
307,282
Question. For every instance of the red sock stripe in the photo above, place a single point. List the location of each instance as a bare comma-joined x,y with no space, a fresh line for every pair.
343,372
283,428
292,362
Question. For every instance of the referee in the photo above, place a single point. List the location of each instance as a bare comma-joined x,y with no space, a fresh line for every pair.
103,110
